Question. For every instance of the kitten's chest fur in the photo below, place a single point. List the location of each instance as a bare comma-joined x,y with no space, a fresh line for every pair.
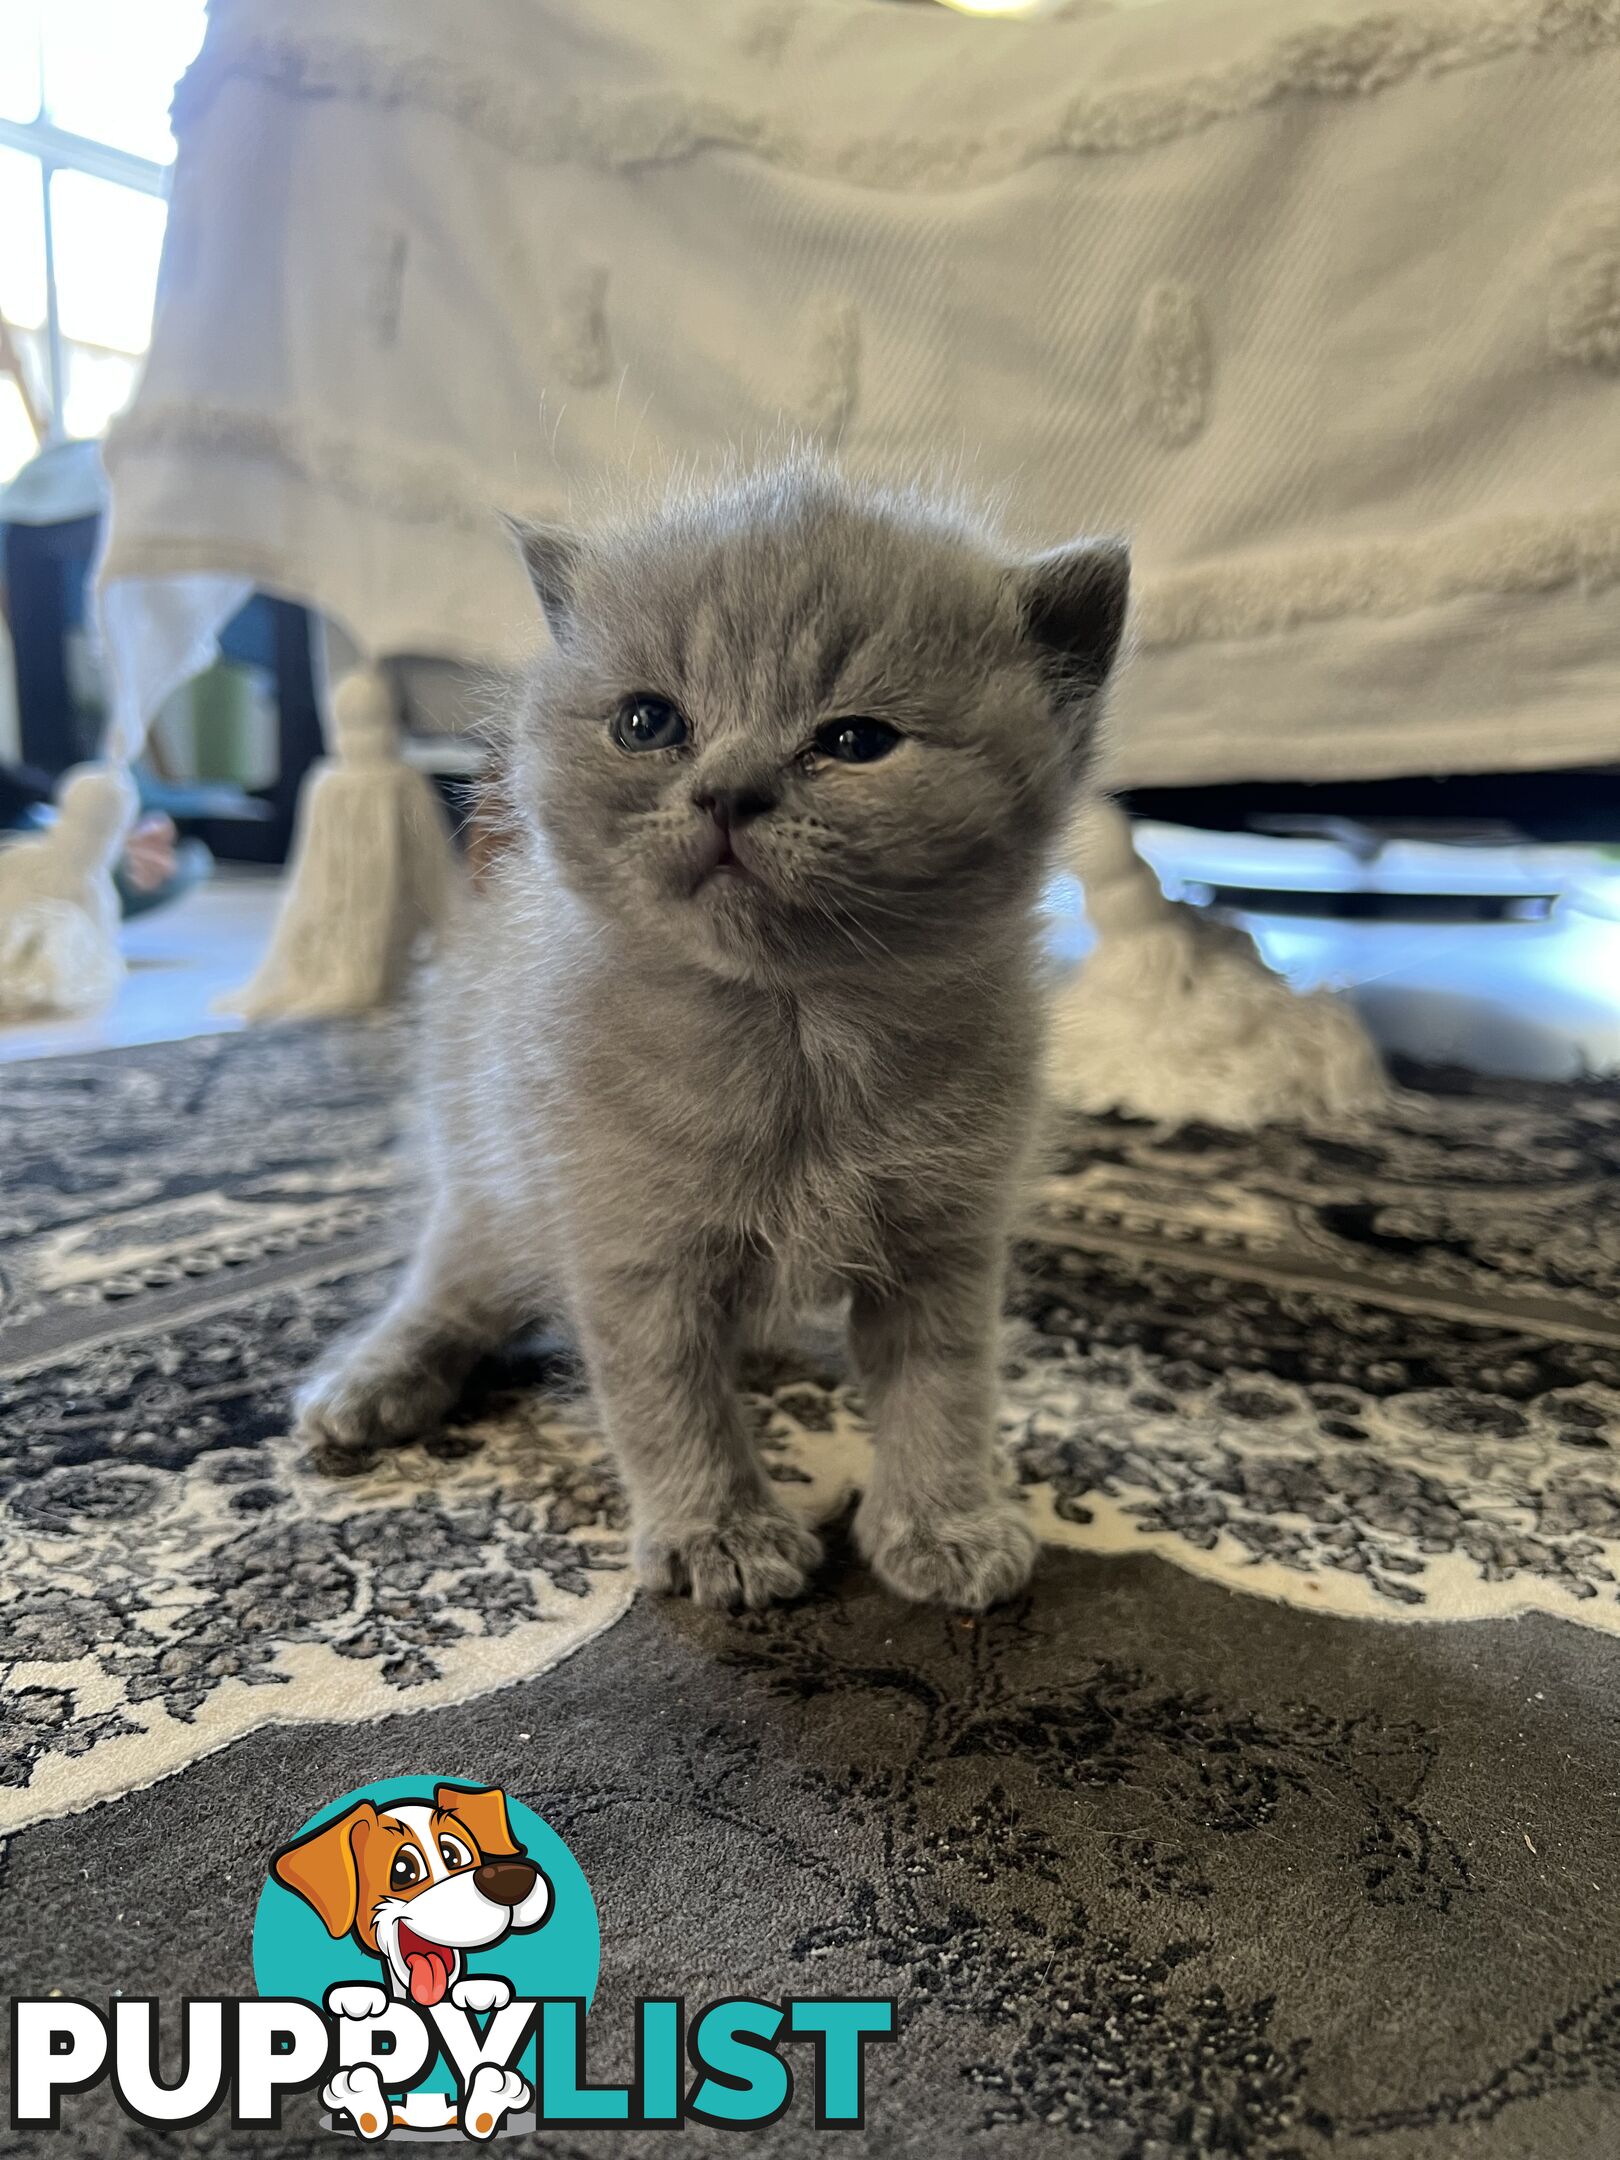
809,1132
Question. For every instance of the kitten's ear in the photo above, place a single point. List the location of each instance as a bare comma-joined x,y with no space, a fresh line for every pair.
551,555
1074,601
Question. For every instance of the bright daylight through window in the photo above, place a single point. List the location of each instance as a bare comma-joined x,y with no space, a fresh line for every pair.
85,151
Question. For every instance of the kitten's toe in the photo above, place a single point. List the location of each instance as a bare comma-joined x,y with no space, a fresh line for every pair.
749,1559
968,1561
361,1405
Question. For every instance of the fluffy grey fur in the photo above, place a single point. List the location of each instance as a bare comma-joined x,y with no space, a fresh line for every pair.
673,1097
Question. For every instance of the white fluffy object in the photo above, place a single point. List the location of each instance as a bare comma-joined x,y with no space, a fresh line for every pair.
1177,1018
59,913
689,230
370,872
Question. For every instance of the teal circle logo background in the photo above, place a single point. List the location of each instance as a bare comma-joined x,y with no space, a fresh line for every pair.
294,1955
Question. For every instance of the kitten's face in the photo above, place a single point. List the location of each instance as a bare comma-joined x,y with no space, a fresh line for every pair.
789,729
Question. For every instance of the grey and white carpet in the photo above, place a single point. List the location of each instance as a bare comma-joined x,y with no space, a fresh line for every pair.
1279,1817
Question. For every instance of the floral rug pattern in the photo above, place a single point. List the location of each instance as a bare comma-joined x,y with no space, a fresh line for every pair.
1375,1374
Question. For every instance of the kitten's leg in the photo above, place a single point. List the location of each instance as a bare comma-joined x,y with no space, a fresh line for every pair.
660,1346
397,1376
936,1522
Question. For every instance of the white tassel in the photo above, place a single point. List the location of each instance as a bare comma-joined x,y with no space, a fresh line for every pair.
1177,1018
371,872
59,912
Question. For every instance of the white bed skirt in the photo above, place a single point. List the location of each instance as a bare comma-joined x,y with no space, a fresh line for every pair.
1324,310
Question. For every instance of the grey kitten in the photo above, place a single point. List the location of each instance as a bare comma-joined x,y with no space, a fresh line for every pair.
748,1016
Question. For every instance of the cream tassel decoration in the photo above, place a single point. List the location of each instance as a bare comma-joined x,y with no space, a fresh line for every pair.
1176,1018
59,913
371,871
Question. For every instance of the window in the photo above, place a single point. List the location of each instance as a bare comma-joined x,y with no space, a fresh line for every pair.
85,152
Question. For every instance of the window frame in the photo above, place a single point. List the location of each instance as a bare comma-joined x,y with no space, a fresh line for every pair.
59,150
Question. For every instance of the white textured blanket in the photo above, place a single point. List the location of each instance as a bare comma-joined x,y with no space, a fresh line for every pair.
1323,307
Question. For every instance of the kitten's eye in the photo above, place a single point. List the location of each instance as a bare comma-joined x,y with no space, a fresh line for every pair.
856,742
645,722
407,1868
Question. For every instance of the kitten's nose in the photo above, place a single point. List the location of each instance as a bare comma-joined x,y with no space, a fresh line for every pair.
733,805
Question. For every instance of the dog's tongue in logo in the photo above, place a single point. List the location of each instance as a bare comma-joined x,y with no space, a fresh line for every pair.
428,1965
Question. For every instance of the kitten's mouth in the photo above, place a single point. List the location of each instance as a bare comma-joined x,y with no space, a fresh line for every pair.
724,865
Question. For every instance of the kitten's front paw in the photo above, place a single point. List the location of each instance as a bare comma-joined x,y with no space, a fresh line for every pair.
969,1561
754,1556
363,1405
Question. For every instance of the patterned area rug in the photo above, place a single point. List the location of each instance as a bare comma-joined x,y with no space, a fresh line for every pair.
1376,1374
1095,1846
184,1226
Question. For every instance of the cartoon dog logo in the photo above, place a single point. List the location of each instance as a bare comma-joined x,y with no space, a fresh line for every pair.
418,1884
